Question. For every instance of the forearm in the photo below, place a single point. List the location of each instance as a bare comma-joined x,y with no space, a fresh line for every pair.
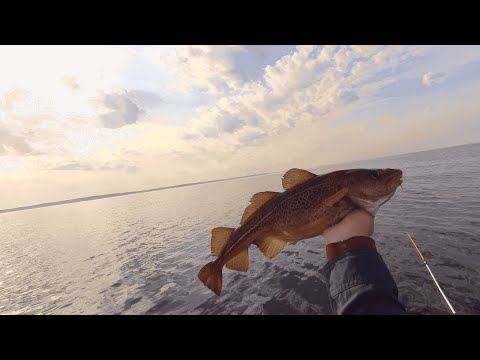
358,281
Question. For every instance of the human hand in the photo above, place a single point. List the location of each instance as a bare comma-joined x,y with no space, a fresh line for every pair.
357,223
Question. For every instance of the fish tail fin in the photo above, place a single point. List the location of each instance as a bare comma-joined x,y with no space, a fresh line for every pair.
211,276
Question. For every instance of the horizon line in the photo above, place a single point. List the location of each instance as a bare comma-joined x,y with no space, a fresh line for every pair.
393,155
105,196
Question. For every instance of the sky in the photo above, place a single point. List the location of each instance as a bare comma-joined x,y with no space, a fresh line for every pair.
86,120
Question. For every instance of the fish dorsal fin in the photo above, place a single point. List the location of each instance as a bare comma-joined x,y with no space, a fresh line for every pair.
294,177
270,246
220,236
332,200
239,262
256,202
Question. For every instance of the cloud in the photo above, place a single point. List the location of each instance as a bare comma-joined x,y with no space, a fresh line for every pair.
146,99
228,123
291,71
225,118
427,79
252,137
348,97
250,64
308,85
209,132
70,82
188,136
74,166
101,166
117,109
365,50
12,143
118,166
13,97
204,68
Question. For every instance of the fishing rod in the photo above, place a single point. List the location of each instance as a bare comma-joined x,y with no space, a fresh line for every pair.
430,271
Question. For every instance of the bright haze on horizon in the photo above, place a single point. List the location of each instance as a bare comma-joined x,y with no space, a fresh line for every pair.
84,120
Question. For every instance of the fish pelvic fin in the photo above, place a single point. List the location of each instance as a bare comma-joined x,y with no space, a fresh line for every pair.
270,246
295,177
211,276
220,237
239,262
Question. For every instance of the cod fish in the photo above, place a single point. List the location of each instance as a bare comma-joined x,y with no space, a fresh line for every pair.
309,205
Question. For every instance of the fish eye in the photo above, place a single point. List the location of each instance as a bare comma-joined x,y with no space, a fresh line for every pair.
374,174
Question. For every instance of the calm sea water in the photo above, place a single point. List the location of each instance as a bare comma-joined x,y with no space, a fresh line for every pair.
140,254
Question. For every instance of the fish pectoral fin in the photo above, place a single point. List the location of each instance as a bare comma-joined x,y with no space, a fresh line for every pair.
220,236
239,262
256,202
271,246
294,177
332,200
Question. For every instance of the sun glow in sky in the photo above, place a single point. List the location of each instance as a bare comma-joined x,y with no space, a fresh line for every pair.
86,120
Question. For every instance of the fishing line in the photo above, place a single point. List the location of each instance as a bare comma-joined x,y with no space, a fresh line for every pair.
431,274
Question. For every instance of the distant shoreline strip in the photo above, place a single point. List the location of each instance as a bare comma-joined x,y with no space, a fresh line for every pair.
99,197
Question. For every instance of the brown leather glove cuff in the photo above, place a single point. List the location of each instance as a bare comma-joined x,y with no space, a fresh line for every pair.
356,242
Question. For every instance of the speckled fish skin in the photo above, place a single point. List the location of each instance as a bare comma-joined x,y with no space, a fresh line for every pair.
304,211
299,213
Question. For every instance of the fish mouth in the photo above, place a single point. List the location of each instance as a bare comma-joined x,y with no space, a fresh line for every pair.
393,178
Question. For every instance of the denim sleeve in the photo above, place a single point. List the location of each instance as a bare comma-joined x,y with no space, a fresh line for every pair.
359,282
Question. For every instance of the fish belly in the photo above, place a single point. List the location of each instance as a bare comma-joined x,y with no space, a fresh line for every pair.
317,222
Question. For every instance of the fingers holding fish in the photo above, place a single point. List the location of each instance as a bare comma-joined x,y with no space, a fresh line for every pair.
358,223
